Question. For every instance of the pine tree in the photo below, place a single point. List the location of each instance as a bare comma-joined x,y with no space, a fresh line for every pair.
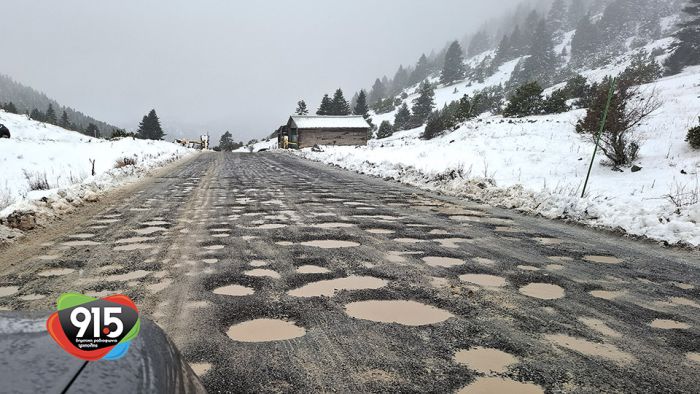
36,115
385,130
479,43
65,122
226,142
326,106
423,105
542,61
361,107
453,69
557,17
400,81
301,108
50,116
421,71
693,137
339,106
402,119
585,41
526,101
687,50
92,130
149,128
10,108
377,93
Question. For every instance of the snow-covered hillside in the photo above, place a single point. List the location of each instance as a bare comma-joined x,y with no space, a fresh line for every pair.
39,152
538,164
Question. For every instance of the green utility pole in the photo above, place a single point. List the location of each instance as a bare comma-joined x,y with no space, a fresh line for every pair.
597,138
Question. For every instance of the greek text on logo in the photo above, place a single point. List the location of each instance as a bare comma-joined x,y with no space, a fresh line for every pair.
93,329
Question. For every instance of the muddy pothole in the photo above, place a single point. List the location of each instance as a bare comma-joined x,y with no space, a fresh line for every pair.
381,231
444,262
330,244
79,243
408,313
263,273
149,230
484,280
328,288
543,291
6,291
588,348
265,330
668,324
55,272
133,246
603,259
485,360
487,385
234,290
607,294
312,269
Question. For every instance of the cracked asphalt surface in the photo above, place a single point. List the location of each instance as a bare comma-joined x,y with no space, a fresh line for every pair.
619,315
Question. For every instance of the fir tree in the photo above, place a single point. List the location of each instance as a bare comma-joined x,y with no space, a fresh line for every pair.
556,102
361,107
92,130
10,108
526,101
421,71
542,61
402,119
585,41
479,43
687,50
226,142
36,115
326,106
149,128
339,106
301,109
557,17
453,69
65,122
50,116
693,137
400,81
377,93
385,130
576,11
423,105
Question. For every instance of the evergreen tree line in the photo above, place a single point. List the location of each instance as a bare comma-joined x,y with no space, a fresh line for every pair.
20,99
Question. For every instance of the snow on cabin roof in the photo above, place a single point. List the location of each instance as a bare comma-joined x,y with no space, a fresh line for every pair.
328,122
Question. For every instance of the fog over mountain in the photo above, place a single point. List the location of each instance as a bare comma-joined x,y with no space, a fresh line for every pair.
218,65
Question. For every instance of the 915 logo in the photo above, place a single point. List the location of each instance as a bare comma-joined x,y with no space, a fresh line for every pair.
93,329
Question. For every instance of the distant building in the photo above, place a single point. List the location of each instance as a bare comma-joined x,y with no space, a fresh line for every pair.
307,131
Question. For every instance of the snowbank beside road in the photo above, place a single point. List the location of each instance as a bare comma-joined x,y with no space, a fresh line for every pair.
58,163
538,164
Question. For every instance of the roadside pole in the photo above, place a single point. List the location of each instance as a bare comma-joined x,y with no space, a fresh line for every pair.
597,138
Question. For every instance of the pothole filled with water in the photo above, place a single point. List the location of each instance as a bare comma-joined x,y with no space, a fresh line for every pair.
330,244
234,290
667,324
603,259
262,273
445,262
328,288
487,385
484,280
265,330
588,348
543,291
408,313
312,269
485,360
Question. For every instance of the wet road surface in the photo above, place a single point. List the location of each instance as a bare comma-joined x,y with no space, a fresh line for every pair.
274,274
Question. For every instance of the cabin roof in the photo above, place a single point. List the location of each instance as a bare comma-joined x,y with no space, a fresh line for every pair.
327,122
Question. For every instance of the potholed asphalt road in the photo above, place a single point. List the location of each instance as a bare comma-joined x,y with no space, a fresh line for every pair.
274,274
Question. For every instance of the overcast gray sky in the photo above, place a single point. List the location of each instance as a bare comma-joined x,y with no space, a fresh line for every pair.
215,65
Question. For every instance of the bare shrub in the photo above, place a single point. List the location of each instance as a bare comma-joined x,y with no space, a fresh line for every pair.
684,195
36,180
628,109
125,162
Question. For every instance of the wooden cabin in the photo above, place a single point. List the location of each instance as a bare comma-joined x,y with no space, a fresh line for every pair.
307,131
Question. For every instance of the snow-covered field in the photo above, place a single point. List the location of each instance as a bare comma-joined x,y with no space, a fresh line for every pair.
39,151
538,164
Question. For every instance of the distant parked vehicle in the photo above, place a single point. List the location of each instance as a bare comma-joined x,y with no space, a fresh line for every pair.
4,131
